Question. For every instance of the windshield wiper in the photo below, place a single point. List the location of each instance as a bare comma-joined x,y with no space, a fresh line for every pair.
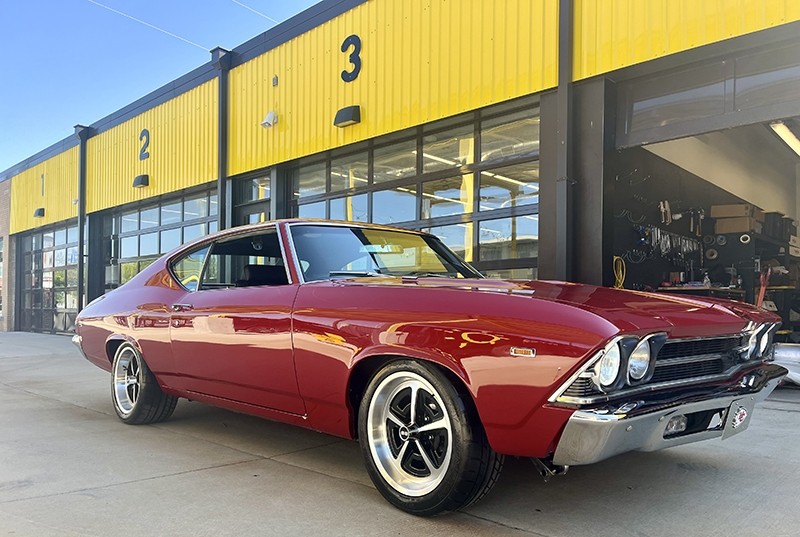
354,273
422,274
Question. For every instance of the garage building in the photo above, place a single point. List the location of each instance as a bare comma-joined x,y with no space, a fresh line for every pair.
589,140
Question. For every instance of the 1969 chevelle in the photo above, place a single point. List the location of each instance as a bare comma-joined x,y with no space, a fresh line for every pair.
386,336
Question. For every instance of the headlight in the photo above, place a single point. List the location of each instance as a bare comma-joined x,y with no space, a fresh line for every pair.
639,361
607,368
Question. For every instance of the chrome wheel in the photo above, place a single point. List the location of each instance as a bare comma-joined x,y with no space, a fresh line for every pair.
127,380
410,433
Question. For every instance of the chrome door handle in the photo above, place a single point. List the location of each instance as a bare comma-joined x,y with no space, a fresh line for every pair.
182,307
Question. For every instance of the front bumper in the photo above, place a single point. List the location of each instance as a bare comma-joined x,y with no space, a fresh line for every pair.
592,435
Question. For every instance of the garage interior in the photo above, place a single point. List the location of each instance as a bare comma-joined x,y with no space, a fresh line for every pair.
714,214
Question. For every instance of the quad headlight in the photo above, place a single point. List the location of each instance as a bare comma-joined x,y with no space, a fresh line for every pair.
627,360
607,368
760,340
639,361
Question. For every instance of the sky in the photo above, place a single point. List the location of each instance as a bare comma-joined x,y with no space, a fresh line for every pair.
69,62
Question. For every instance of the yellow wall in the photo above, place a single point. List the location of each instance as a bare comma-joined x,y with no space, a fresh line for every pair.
611,34
182,149
422,60
60,189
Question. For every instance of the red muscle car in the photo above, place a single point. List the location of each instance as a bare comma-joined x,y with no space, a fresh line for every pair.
386,336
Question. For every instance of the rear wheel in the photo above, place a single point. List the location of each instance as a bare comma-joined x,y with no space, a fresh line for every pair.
137,397
424,447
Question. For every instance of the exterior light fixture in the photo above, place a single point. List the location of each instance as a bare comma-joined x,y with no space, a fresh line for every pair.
349,115
270,119
141,181
39,213
786,134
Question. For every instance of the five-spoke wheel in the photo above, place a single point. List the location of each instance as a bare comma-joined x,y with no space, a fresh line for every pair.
423,444
135,391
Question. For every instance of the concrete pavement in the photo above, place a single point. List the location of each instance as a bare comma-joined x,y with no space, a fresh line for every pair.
69,467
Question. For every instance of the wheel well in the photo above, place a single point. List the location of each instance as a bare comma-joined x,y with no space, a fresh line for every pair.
366,369
112,346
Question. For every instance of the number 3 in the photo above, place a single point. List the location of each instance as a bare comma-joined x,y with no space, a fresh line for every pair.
143,153
354,58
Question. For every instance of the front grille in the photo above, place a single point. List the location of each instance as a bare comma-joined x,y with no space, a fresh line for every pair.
698,347
671,372
582,387
678,360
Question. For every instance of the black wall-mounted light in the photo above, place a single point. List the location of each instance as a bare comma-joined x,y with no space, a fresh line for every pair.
141,181
38,213
349,115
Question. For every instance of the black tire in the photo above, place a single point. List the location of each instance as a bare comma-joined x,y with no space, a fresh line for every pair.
419,467
135,393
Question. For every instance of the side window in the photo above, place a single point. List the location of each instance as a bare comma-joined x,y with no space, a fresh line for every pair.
188,268
252,260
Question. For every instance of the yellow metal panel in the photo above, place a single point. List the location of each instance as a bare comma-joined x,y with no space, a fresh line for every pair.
612,34
53,185
422,60
182,150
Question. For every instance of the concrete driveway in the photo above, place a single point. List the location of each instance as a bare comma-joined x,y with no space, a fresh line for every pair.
69,467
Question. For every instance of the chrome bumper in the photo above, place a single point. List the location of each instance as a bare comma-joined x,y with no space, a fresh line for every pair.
594,435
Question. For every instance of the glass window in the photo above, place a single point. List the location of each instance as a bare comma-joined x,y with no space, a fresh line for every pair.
351,208
448,149
47,259
349,172
310,180
510,136
171,214
396,205
195,208
72,300
395,161
457,237
72,278
312,210
60,237
72,255
72,234
148,218
148,243
191,233
60,257
47,279
444,197
528,273
509,238
254,189
212,205
129,247
213,226
170,238
130,222
188,268
511,186
48,240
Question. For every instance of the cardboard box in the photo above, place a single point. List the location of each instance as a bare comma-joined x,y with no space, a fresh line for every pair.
794,240
737,225
737,210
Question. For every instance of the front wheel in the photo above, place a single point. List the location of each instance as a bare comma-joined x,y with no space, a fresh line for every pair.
423,444
137,397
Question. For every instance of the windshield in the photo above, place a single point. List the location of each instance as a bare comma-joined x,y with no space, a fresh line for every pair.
326,252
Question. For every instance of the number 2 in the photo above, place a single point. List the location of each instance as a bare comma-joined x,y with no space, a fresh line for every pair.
354,58
143,153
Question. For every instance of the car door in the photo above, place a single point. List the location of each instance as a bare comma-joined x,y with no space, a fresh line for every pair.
232,338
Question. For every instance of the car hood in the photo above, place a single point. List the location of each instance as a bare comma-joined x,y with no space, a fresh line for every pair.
682,316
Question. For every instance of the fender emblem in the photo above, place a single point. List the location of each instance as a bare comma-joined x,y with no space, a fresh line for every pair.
522,352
